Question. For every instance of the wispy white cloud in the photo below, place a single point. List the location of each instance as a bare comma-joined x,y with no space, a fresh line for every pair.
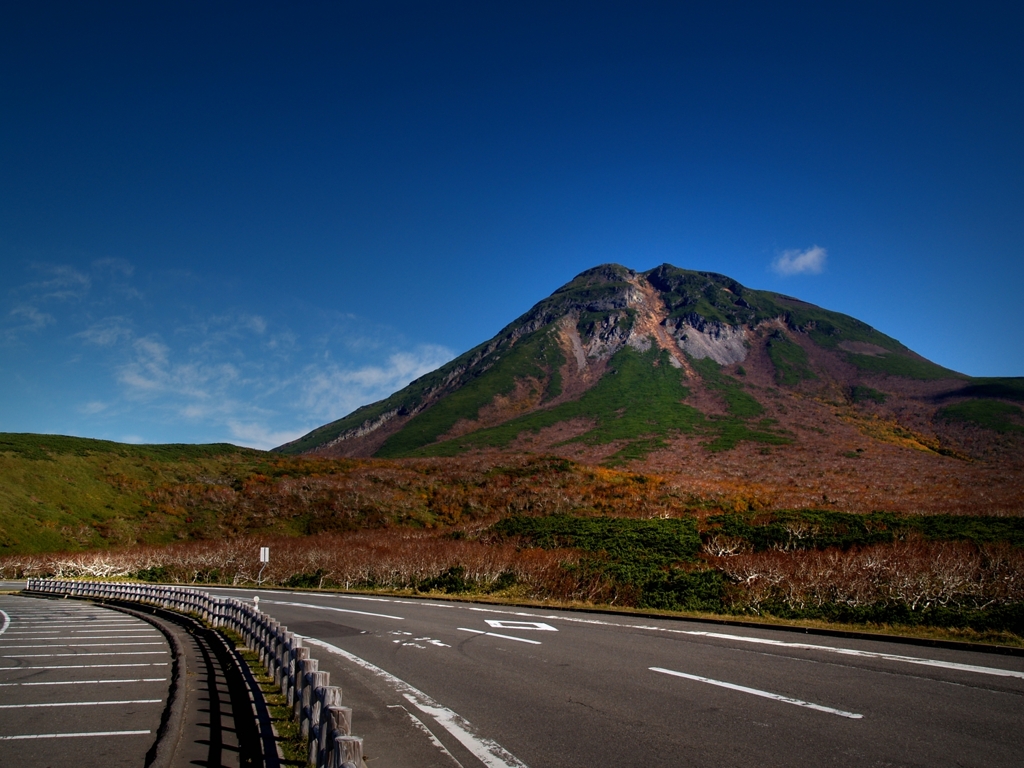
332,392
92,408
797,262
60,283
254,435
29,318
152,372
107,332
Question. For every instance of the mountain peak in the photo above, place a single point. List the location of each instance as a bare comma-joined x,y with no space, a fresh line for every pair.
622,365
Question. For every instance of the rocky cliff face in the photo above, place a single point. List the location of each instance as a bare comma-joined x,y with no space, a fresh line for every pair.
562,369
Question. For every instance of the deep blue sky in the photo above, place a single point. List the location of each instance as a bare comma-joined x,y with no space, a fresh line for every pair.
238,221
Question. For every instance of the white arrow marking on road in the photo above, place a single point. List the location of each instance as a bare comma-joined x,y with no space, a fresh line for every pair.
539,625
495,634
757,692
488,751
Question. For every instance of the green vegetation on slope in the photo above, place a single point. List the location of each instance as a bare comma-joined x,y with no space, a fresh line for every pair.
990,414
536,356
638,401
821,529
61,492
902,365
861,394
789,359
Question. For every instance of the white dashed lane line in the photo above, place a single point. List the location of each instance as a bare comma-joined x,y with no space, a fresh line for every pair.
758,692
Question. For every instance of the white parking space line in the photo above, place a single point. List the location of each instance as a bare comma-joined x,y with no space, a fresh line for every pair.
73,735
80,704
6,622
77,645
330,608
86,666
487,751
94,682
757,692
135,634
91,653
495,634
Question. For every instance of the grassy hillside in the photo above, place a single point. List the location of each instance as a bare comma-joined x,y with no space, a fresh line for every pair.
638,402
61,492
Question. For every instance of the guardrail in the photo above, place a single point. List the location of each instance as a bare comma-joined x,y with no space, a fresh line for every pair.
324,723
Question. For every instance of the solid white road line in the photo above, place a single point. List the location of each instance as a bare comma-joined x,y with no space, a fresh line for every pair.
495,634
129,634
996,671
869,655
756,692
6,624
488,751
96,653
76,645
73,735
79,704
421,726
95,682
329,608
86,666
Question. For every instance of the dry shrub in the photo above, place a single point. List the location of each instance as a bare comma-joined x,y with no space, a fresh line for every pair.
919,574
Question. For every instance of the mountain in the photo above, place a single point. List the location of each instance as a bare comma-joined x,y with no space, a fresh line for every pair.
661,368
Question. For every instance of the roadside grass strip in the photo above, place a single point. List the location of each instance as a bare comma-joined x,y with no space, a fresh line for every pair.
757,692
73,735
487,751
495,634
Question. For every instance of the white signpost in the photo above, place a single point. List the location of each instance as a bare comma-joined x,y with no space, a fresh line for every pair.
264,558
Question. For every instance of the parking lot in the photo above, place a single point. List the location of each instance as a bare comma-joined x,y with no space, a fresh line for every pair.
79,684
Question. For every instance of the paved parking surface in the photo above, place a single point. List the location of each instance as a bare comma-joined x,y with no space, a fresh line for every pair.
79,684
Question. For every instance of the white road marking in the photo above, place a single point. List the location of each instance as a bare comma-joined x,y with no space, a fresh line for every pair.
6,624
87,666
488,751
79,704
331,608
430,734
95,682
57,655
495,634
502,624
134,634
73,735
757,692
995,671
76,645
869,654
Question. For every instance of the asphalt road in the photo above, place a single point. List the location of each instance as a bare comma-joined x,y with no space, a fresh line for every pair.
474,685
79,684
